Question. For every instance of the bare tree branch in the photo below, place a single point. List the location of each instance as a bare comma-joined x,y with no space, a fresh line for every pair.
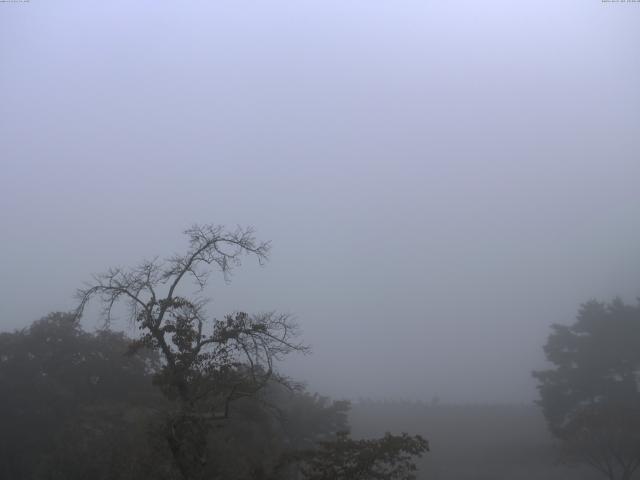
208,363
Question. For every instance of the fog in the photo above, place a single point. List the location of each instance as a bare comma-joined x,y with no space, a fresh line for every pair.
441,181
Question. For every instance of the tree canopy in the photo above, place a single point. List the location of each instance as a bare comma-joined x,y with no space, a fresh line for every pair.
591,396
73,404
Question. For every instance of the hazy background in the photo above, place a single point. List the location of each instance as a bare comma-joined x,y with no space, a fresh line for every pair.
441,180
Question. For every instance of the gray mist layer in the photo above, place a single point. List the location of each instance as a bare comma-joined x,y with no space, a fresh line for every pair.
441,180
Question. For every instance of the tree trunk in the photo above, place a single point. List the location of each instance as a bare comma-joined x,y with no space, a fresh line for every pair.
187,440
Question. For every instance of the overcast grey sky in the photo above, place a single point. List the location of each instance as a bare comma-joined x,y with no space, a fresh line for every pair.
441,180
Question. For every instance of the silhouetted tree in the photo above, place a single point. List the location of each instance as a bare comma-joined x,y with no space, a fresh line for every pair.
207,363
590,398
73,404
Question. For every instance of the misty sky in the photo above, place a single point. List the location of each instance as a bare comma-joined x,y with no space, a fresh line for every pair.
441,180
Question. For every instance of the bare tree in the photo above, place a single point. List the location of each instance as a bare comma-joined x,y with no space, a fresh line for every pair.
207,364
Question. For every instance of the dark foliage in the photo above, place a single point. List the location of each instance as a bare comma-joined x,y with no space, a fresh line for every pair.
79,405
73,404
591,398
343,458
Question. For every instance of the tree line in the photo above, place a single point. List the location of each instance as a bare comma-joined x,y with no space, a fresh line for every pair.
191,397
